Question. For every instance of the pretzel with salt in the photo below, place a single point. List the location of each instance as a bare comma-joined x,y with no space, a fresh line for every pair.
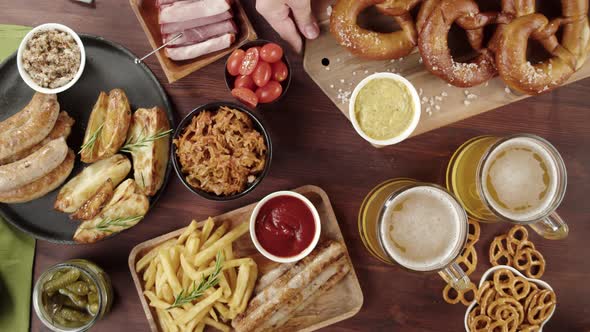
511,43
371,44
433,43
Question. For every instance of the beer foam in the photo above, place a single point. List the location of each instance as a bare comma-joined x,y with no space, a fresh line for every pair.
423,228
519,179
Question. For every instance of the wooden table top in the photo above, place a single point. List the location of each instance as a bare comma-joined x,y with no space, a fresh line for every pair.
315,144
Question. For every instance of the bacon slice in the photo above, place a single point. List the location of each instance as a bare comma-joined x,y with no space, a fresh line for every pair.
293,289
189,10
197,35
202,48
176,27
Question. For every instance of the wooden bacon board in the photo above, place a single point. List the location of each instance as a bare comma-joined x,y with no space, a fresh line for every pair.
338,79
340,302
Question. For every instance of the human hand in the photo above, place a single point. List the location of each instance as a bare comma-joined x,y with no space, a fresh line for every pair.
276,13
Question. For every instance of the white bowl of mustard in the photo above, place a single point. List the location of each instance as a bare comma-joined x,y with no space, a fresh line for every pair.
384,109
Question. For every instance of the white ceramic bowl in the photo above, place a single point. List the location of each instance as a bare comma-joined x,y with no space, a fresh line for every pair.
25,76
406,133
488,275
306,251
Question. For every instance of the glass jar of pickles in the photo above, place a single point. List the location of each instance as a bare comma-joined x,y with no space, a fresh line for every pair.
72,296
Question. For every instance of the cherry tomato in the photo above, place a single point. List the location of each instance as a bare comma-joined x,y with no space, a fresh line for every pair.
269,92
279,71
250,61
246,96
244,82
271,52
262,73
235,61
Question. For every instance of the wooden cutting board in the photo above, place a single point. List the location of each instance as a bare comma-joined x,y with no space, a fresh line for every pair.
340,302
337,72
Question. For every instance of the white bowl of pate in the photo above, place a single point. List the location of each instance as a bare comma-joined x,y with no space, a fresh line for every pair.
384,109
51,58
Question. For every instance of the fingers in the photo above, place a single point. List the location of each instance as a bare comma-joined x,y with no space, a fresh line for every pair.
304,18
276,14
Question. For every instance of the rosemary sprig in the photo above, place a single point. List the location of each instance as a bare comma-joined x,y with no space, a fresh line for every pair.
91,140
188,295
105,224
141,140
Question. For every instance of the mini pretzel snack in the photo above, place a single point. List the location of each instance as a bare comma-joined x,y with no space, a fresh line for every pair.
515,249
468,262
508,302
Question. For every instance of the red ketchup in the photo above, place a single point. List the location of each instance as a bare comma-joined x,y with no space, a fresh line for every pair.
285,226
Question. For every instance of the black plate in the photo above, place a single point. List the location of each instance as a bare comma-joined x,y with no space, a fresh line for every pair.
108,66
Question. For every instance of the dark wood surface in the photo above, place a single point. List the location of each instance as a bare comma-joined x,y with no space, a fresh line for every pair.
315,144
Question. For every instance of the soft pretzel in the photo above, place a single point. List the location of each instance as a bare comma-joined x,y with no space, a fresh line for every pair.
370,44
511,60
576,33
433,43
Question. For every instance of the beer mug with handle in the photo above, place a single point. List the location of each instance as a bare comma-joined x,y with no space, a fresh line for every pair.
418,226
519,179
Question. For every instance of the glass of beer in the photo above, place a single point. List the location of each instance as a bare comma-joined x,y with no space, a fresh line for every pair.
419,226
520,179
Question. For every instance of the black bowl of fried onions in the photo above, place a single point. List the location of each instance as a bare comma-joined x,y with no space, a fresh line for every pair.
221,151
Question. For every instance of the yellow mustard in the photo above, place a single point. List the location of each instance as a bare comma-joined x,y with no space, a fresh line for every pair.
384,108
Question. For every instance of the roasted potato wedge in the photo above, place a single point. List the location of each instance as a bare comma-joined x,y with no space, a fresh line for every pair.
92,207
125,209
150,157
107,127
86,184
90,145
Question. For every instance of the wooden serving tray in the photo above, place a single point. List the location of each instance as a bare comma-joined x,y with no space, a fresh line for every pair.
147,15
338,79
340,302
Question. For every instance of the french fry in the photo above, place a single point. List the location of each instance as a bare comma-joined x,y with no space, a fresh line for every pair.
174,253
176,312
160,279
169,271
207,229
199,307
145,260
172,327
155,301
161,320
208,254
222,309
231,272
220,326
213,314
185,280
219,232
192,244
241,284
188,231
249,289
200,327
191,325
149,276
227,292
167,293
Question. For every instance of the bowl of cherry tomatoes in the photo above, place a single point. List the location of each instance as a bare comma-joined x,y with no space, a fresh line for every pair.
258,73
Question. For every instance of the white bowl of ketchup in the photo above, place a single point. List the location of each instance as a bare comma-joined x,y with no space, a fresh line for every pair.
285,226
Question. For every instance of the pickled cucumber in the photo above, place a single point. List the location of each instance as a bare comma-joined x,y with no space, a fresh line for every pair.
73,315
79,287
67,278
79,301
